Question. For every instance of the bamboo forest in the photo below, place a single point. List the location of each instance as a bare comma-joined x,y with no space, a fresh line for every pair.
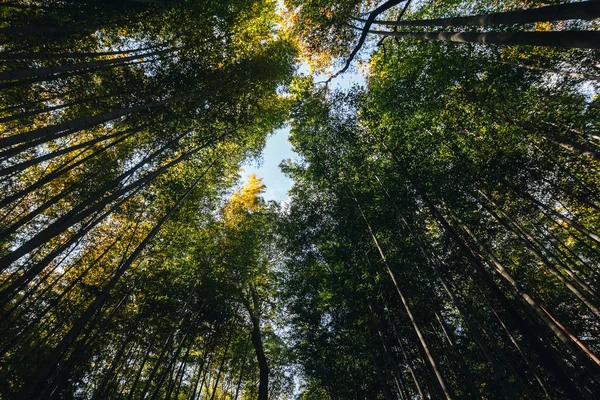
440,240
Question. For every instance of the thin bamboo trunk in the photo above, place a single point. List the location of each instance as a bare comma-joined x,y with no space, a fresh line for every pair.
46,179
459,357
547,209
576,75
44,55
48,71
38,380
529,243
67,128
413,321
385,389
29,163
142,365
257,343
97,201
565,39
8,292
585,10
214,390
96,195
499,372
515,320
523,355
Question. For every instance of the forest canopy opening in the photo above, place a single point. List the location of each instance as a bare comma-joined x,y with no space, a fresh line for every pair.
441,239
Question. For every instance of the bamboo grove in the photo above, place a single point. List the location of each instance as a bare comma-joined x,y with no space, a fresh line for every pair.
441,240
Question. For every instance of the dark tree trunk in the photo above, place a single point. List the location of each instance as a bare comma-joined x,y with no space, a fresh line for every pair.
63,169
557,215
407,308
142,365
40,55
586,10
42,135
47,71
38,381
449,335
514,319
257,343
85,209
220,371
201,371
566,39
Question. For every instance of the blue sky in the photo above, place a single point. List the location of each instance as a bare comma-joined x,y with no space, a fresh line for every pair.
278,148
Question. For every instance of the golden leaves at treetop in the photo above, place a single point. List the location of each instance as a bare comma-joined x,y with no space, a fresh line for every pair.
245,200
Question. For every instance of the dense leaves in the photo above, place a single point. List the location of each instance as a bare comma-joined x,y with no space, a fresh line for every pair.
441,239
436,236
124,124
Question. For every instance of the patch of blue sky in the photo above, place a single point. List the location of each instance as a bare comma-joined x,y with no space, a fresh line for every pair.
278,148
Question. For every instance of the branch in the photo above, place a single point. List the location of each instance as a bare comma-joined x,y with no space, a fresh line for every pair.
397,20
365,31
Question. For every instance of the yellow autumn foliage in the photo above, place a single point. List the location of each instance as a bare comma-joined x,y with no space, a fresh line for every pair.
244,200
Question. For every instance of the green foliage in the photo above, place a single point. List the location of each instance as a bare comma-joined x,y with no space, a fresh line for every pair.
446,174
441,239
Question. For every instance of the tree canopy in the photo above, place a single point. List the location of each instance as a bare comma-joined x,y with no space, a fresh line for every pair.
441,239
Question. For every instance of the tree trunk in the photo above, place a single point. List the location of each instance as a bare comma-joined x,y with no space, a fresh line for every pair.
473,329
142,365
256,339
8,292
179,376
459,358
53,175
529,243
398,379
498,370
572,146
528,331
67,128
38,381
98,194
363,36
38,267
29,163
15,306
239,383
413,321
40,55
527,361
576,260
24,114
201,371
51,29
576,75
529,300
567,220
410,368
566,39
47,71
214,391
4,85
385,389
585,10
83,210
191,324
158,363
